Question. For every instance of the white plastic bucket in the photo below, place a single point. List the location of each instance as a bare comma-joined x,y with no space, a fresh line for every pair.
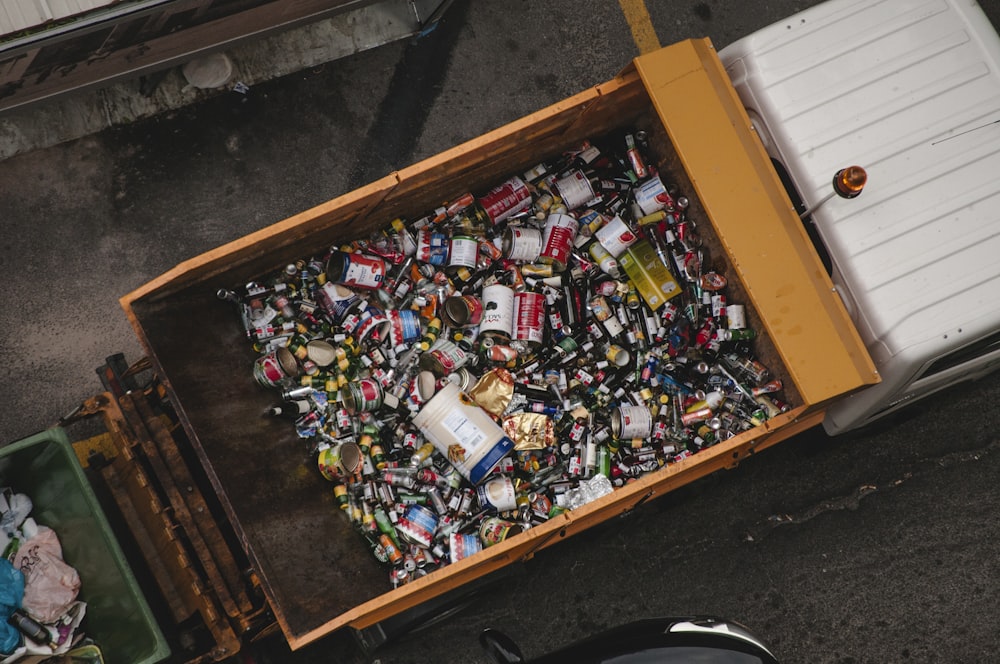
463,432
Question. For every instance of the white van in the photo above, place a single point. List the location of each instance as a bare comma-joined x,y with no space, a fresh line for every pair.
909,90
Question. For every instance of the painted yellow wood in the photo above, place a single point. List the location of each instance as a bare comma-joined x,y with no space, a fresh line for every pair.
754,219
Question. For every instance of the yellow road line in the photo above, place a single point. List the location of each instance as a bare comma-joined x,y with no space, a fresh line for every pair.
640,24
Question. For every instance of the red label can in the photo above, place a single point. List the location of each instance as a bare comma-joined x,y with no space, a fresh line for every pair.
529,317
271,368
462,311
506,200
557,243
363,395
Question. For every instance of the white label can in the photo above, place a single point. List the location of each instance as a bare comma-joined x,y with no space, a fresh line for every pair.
464,251
575,190
498,311
522,244
616,236
631,422
651,196
529,316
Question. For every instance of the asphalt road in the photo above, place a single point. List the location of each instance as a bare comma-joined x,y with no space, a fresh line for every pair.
872,547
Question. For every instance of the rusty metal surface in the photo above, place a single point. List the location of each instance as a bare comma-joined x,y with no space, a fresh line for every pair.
312,565
233,593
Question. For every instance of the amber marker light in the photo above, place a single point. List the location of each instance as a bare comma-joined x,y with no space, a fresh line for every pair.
848,182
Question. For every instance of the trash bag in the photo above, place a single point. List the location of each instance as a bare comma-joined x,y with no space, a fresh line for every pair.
11,593
14,509
50,585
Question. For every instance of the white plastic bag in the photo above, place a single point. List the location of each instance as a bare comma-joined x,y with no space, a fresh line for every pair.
50,585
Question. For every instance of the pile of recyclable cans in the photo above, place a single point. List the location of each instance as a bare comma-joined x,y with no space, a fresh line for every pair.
464,376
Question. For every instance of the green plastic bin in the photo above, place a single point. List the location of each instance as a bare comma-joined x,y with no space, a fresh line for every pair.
46,468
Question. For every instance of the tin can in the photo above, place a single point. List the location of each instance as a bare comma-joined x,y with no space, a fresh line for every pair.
340,496
443,357
464,378
404,326
557,242
417,525
631,422
497,494
462,311
617,355
363,395
432,247
651,196
506,199
372,325
462,546
575,190
270,369
343,460
355,269
616,236
494,530
521,244
498,312
423,386
464,251
529,318
463,433
328,462
337,300
320,352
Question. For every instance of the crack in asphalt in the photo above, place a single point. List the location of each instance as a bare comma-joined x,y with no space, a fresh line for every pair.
852,501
